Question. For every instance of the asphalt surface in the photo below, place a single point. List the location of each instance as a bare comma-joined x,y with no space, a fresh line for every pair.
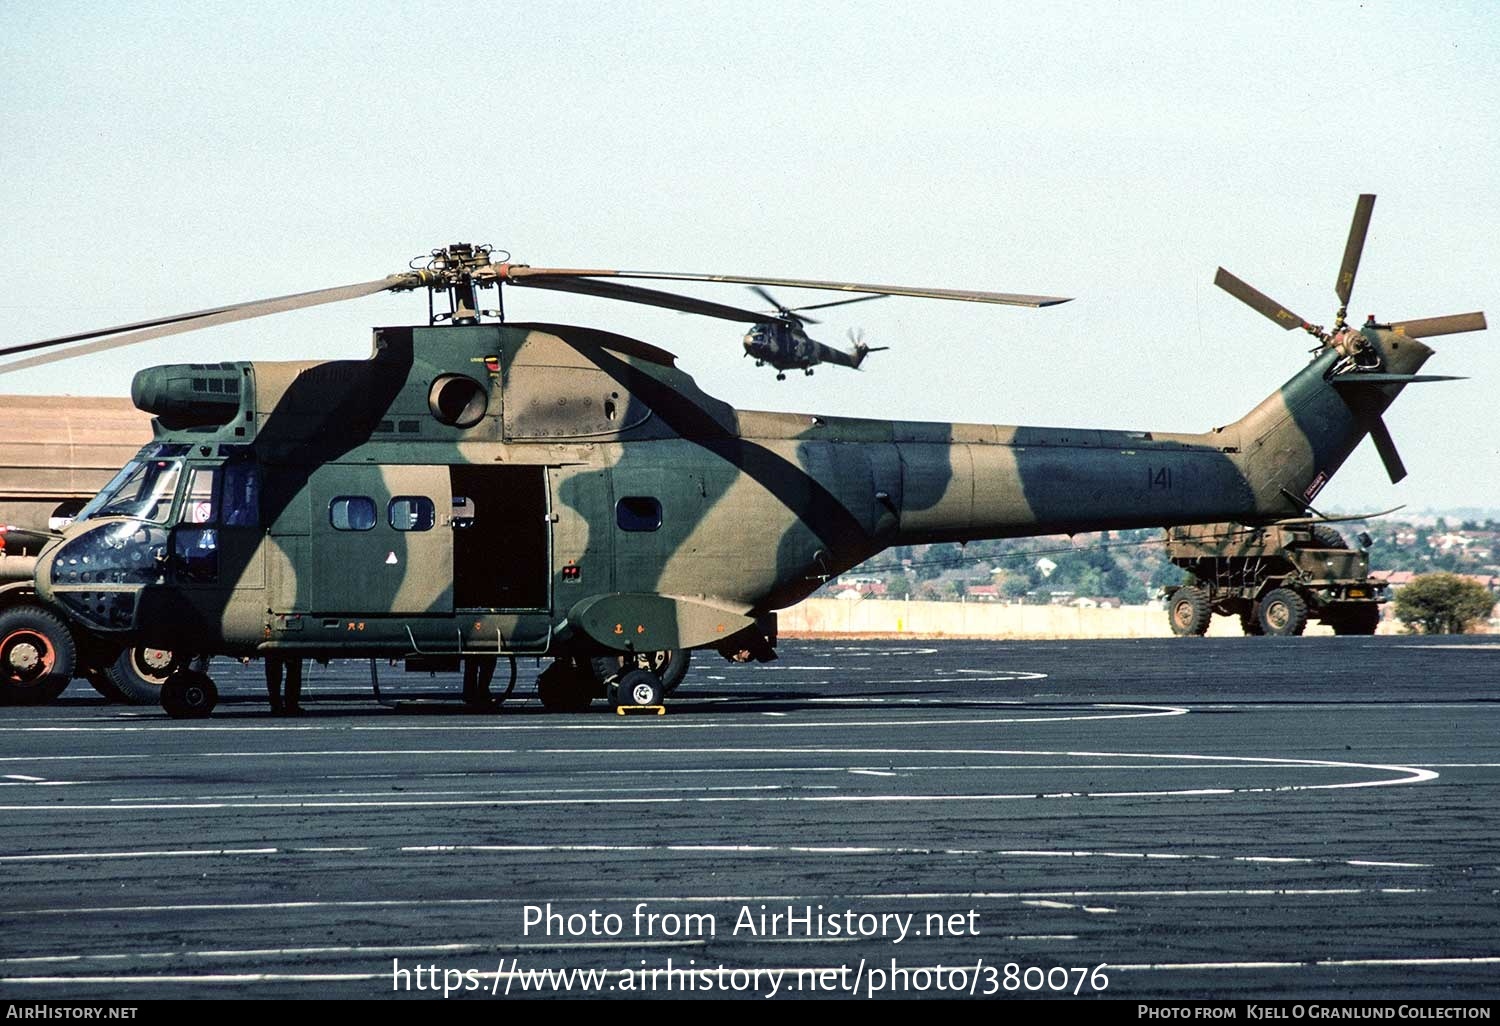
1300,818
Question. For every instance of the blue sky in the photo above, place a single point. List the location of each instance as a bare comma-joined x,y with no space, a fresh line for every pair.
165,157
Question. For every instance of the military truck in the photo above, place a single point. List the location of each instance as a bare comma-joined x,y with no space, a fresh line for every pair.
1275,579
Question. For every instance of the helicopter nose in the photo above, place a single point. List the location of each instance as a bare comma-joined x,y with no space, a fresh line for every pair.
97,574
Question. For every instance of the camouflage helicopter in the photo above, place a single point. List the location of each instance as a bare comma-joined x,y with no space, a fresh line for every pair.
477,490
782,341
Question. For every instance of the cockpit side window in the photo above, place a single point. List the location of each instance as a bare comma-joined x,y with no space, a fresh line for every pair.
198,506
142,491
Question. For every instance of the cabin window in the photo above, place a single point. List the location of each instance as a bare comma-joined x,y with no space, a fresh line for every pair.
638,513
352,513
411,513
241,495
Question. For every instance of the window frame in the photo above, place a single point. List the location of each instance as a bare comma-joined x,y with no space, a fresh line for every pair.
428,521
633,520
374,513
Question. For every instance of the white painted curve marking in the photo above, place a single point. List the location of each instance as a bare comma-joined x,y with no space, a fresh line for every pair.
1402,775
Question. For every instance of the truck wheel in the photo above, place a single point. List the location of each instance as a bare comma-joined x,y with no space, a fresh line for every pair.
670,664
1188,610
1357,620
37,656
102,684
1283,613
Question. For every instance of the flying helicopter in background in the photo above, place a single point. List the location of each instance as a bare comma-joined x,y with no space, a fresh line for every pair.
480,490
782,342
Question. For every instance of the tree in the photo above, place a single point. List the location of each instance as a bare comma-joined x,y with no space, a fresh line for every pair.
1443,603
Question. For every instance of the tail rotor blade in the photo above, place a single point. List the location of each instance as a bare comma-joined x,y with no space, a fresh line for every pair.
1354,247
1258,300
1384,445
1452,324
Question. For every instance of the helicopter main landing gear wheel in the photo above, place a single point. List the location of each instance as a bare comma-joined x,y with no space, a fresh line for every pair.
189,695
564,687
37,656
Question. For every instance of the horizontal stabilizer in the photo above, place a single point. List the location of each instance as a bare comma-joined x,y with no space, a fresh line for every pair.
1356,379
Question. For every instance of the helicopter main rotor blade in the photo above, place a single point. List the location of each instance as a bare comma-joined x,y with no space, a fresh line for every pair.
1381,436
1258,300
647,297
520,273
780,310
1452,324
763,294
142,331
1358,228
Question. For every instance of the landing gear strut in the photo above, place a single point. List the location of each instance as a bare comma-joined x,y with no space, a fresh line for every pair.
670,664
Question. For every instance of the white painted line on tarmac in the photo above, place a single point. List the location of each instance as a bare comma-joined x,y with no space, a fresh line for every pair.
291,906
356,949
259,906
1109,711
23,777
1321,963
712,849
157,854
42,783
205,978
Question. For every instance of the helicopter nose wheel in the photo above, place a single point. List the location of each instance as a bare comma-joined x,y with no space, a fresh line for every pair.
781,377
640,688
189,695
